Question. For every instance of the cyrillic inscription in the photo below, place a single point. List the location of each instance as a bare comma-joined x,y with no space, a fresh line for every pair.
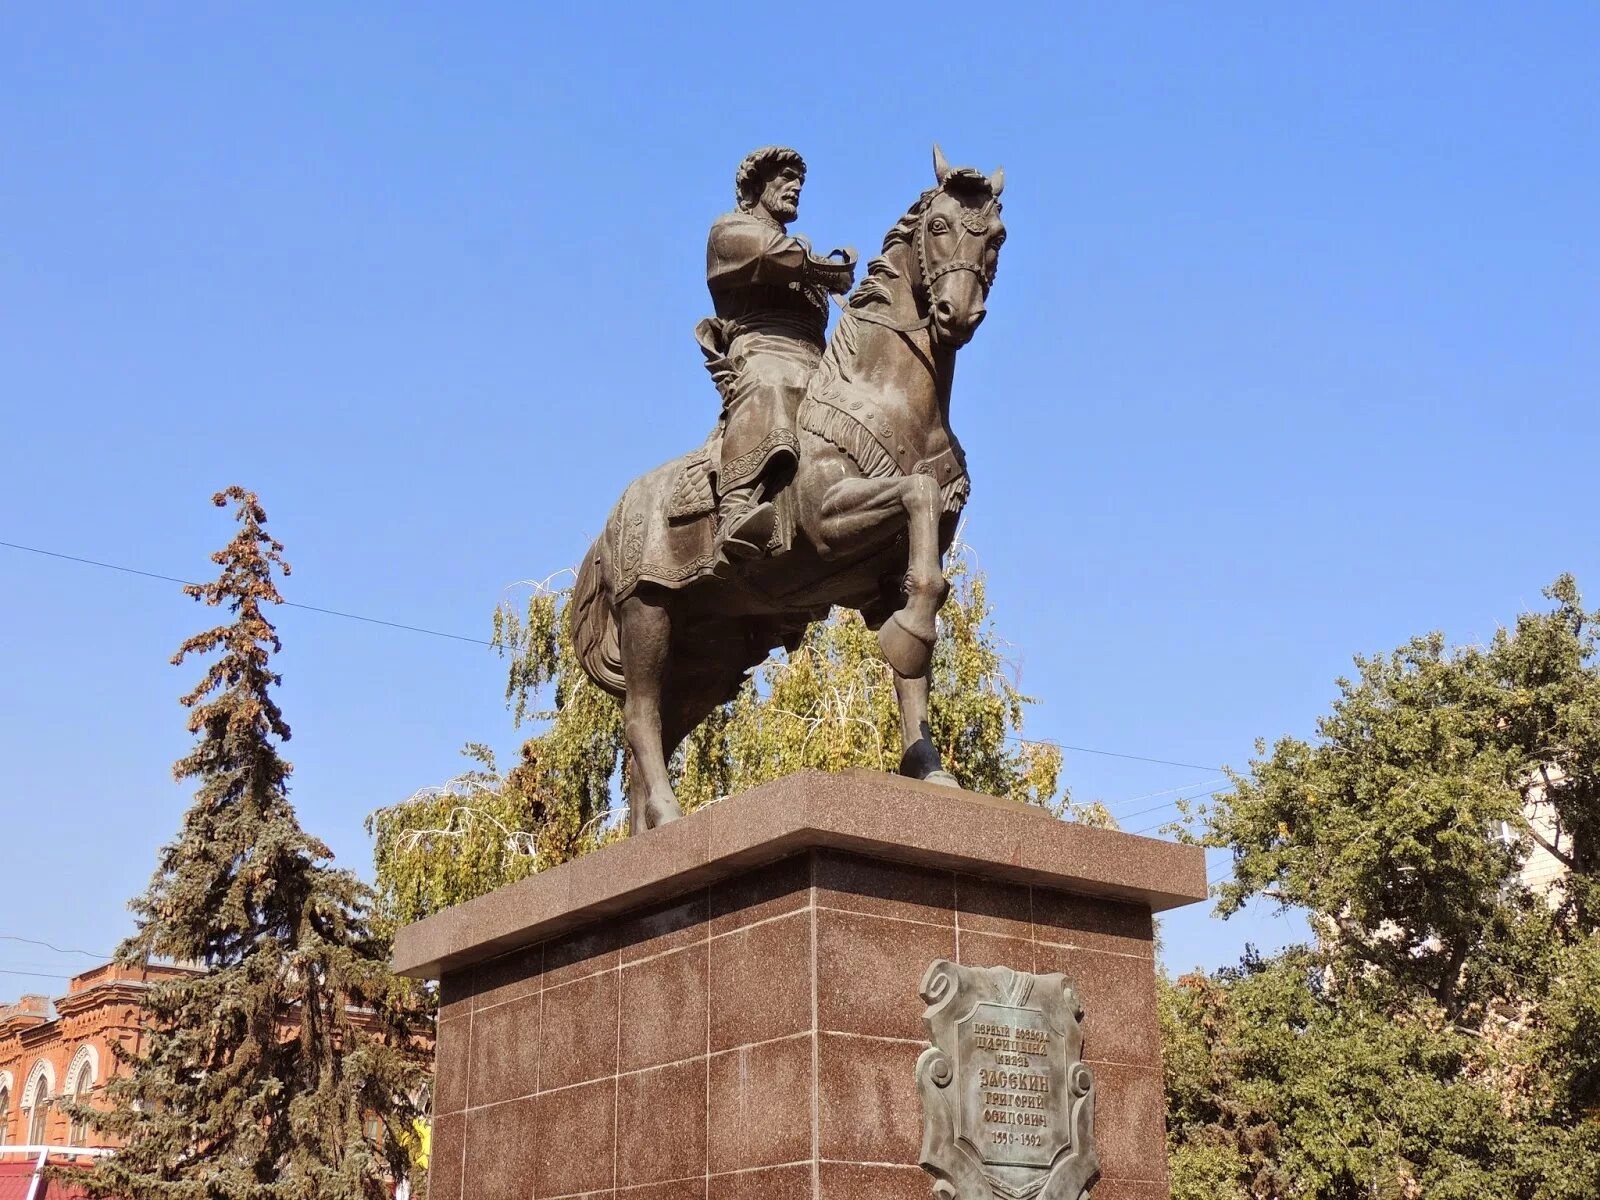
1005,1097
1010,1081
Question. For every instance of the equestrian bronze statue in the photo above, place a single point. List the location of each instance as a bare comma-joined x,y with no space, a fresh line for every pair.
832,476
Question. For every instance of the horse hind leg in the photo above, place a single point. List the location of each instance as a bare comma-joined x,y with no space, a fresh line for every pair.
646,637
687,703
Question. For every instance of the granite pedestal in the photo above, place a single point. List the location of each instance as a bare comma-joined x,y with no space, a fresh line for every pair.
726,1008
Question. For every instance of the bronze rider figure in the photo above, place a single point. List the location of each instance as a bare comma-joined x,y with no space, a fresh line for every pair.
770,294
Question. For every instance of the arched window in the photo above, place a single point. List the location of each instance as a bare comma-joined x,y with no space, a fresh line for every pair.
38,1106
80,1082
5,1112
36,1093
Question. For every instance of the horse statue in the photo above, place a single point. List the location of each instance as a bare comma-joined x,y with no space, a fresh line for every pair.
672,631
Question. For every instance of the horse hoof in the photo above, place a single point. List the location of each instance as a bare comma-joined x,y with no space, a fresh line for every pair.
921,761
905,651
659,812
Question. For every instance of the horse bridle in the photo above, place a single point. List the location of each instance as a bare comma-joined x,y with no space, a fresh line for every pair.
973,224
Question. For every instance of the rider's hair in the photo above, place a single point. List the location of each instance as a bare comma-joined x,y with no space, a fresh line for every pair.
747,180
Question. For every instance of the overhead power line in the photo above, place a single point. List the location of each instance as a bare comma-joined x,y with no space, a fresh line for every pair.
1123,817
1157,825
1143,812
1163,792
1164,762
16,937
457,637
330,612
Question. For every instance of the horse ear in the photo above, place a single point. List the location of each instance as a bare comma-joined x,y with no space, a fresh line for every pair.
940,167
997,182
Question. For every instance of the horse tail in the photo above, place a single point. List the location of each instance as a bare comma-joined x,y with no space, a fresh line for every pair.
593,617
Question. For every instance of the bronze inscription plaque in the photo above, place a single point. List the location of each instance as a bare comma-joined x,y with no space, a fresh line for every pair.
1007,1105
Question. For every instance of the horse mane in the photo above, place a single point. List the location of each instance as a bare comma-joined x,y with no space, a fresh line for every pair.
875,285
834,371
874,288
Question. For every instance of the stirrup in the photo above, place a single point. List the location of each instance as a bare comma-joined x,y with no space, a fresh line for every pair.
748,535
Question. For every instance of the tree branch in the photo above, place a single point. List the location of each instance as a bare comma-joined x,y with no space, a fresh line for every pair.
1553,849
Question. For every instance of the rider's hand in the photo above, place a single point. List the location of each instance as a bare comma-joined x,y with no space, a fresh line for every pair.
840,274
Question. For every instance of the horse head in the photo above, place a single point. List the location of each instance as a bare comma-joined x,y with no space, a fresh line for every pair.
957,247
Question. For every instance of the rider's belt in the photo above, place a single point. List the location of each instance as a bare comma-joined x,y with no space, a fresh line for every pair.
759,303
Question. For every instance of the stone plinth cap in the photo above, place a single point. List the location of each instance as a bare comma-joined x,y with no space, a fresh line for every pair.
868,812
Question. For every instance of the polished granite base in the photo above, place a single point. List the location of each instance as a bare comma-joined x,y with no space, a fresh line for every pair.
727,1008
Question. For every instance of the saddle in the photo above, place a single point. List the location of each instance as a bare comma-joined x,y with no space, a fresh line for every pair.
664,527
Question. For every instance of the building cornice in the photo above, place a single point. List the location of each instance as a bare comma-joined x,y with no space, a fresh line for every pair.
19,1023
114,991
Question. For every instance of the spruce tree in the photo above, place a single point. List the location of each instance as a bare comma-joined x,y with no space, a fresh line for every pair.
260,1069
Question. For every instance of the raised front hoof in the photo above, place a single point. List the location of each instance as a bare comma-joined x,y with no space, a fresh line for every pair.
907,652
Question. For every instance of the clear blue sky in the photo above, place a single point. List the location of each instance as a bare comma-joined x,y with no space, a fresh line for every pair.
1293,354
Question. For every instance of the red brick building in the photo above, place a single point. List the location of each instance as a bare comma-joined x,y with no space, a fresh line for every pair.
52,1050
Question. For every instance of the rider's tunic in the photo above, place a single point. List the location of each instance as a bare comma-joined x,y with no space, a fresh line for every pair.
772,315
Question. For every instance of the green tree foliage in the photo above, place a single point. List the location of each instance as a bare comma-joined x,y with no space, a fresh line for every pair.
258,1071
1441,1038
828,705
831,705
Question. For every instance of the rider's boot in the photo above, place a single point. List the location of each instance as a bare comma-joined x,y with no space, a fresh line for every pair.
747,524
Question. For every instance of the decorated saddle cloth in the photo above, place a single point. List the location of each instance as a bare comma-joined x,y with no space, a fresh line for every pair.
664,529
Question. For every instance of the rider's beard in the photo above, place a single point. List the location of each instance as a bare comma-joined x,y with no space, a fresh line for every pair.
781,203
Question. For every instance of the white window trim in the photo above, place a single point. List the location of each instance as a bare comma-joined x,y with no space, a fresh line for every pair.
40,1068
86,1053
8,1084
42,1072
